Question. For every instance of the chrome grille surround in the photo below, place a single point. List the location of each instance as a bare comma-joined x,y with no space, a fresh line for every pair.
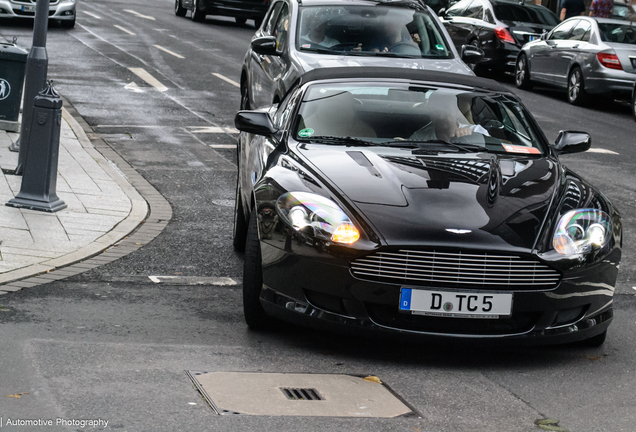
471,270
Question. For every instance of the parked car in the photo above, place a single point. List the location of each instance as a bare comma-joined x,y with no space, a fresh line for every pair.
298,37
420,202
62,11
498,27
241,10
586,56
634,101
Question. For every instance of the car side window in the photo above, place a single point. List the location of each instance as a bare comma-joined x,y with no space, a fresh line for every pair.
281,29
488,16
271,19
475,10
581,32
562,31
457,9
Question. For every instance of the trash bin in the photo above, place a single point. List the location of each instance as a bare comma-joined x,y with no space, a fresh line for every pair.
12,64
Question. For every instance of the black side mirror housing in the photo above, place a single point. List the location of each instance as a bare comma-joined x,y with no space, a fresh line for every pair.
572,142
255,122
544,35
265,45
441,12
471,54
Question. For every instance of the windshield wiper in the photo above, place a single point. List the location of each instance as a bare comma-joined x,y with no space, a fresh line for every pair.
468,148
338,140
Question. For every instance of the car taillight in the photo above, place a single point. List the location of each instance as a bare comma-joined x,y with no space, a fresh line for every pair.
609,61
504,35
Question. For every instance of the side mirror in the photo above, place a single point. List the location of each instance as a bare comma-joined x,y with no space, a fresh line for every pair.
441,12
265,45
471,54
572,142
544,35
255,122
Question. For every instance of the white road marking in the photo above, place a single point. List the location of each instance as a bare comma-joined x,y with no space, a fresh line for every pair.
196,280
169,52
222,146
139,15
226,79
124,30
133,87
92,14
600,150
141,73
213,129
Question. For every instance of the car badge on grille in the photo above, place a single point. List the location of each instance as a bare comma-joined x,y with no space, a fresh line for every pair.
458,231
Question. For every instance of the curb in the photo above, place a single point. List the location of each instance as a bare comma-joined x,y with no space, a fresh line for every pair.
149,215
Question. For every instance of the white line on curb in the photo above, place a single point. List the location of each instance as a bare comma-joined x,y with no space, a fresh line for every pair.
600,150
226,79
141,73
169,52
124,30
195,280
139,15
222,146
92,14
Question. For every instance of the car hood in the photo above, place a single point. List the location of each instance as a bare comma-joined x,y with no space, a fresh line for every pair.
461,199
310,61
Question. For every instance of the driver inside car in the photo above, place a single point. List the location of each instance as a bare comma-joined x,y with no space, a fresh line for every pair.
390,33
314,30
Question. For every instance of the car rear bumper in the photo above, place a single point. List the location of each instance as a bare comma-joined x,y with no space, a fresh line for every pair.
62,10
320,294
610,81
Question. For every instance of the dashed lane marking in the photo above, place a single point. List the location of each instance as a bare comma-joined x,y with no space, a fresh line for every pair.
196,280
222,146
92,14
213,129
125,30
169,52
226,79
193,129
600,150
141,73
139,15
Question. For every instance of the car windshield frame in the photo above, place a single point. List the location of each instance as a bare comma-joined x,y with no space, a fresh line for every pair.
498,122
378,30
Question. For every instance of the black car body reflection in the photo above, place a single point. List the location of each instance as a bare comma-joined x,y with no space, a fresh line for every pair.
358,208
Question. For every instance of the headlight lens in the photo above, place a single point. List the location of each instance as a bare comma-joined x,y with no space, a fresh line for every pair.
580,231
303,210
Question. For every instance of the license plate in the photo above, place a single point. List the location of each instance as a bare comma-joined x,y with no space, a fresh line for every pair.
532,38
28,8
455,304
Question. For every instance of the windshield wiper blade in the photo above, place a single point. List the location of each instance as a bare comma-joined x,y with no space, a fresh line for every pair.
469,148
339,140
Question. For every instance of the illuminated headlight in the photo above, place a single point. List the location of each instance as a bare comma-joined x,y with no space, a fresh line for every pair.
580,231
321,216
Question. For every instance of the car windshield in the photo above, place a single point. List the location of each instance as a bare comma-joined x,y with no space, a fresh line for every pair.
420,117
618,33
526,14
376,30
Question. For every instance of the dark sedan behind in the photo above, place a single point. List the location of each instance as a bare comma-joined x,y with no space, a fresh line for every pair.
498,27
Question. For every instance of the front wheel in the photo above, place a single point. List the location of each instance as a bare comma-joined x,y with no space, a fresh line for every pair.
255,316
240,21
576,87
239,233
197,14
245,97
179,10
258,22
522,74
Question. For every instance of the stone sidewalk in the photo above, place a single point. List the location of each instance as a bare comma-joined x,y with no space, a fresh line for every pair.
103,208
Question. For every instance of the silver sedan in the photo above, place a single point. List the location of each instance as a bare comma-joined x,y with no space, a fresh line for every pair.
62,11
586,56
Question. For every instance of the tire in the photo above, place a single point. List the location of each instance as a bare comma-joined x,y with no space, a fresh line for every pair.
239,233
68,24
240,21
258,22
522,74
255,316
576,87
245,97
595,341
197,14
179,10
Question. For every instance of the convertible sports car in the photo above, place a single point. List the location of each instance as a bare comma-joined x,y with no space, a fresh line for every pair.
424,203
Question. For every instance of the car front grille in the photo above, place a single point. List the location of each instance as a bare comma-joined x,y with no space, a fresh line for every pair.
468,270
389,316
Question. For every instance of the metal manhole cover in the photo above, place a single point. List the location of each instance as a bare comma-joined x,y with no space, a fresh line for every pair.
319,395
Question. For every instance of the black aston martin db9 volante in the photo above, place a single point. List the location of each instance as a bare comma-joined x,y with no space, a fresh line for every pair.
409,201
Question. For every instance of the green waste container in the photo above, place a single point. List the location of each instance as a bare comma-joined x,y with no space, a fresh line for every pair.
12,64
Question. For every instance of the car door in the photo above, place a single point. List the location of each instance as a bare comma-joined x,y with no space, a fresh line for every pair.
261,85
545,53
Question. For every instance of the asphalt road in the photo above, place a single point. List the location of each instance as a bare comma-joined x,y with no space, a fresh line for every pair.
111,344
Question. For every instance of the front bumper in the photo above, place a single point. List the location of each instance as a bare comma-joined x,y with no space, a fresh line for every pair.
323,294
60,10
